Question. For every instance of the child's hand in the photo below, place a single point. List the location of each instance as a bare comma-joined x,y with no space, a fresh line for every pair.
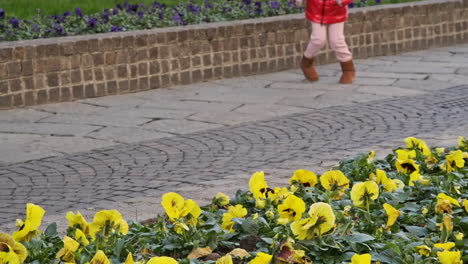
298,2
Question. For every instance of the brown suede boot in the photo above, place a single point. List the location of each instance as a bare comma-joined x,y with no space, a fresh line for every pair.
307,66
349,73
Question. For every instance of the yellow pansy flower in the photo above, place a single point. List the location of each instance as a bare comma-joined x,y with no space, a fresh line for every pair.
11,251
423,250
222,199
291,209
452,161
407,165
237,211
444,203
261,258
81,237
334,180
99,258
130,260
465,204
370,156
70,246
444,246
259,187
449,257
363,192
227,259
29,228
447,223
415,143
361,259
459,235
162,260
113,217
176,207
78,220
380,177
321,220
304,177
462,142
279,194
392,214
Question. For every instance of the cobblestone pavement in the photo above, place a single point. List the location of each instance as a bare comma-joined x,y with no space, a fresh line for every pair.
124,152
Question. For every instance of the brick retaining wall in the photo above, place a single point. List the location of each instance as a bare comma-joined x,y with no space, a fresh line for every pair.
66,69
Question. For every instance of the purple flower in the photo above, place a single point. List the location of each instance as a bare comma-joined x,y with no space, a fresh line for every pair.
2,13
132,8
208,4
92,22
116,29
14,22
378,1
78,12
67,14
105,16
247,2
115,11
140,14
193,8
177,19
226,10
351,5
119,6
274,4
59,30
35,28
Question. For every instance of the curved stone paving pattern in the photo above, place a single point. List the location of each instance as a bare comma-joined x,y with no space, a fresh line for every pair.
124,172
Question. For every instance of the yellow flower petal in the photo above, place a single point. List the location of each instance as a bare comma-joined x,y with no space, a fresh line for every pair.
361,259
108,216
78,220
304,177
261,258
291,209
415,143
445,246
258,186
423,250
29,229
449,257
222,198
227,259
239,252
162,260
99,258
392,214
334,181
364,192
7,242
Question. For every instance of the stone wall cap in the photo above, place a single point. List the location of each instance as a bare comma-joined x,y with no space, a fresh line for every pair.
203,26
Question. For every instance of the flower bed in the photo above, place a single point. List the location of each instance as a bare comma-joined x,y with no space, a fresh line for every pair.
128,17
410,207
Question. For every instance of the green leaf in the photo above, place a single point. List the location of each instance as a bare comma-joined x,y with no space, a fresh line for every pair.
250,226
417,231
51,230
360,238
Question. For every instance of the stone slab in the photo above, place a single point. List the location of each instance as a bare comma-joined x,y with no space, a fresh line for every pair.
179,126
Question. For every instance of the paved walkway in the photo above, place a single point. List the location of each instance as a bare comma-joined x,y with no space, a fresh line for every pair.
125,151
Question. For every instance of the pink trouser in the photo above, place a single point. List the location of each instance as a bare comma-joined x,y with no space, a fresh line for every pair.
336,40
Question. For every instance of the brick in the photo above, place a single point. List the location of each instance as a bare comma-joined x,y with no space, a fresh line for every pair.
98,74
27,68
52,79
112,87
78,92
13,69
54,95
124,86
53,64
196,61
185,78
184,63
98,59
93,45
41,97
143,84
155,82
155,67
39,81
18,53
3,87
122,71
143,69
101,89
109,73
208,74
81,46
6,54
87,75
89,91
6,101
65,94
15,85
52,50
29,98
67,48
3,71
141,41
111,58
75,76
153,53
17,100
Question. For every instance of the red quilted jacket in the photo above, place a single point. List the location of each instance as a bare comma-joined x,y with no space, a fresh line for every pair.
327,11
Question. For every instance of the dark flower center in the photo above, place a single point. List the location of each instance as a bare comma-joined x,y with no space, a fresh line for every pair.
266,191
408,167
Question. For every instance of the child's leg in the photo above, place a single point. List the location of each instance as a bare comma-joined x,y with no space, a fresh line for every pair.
317,41
337,42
